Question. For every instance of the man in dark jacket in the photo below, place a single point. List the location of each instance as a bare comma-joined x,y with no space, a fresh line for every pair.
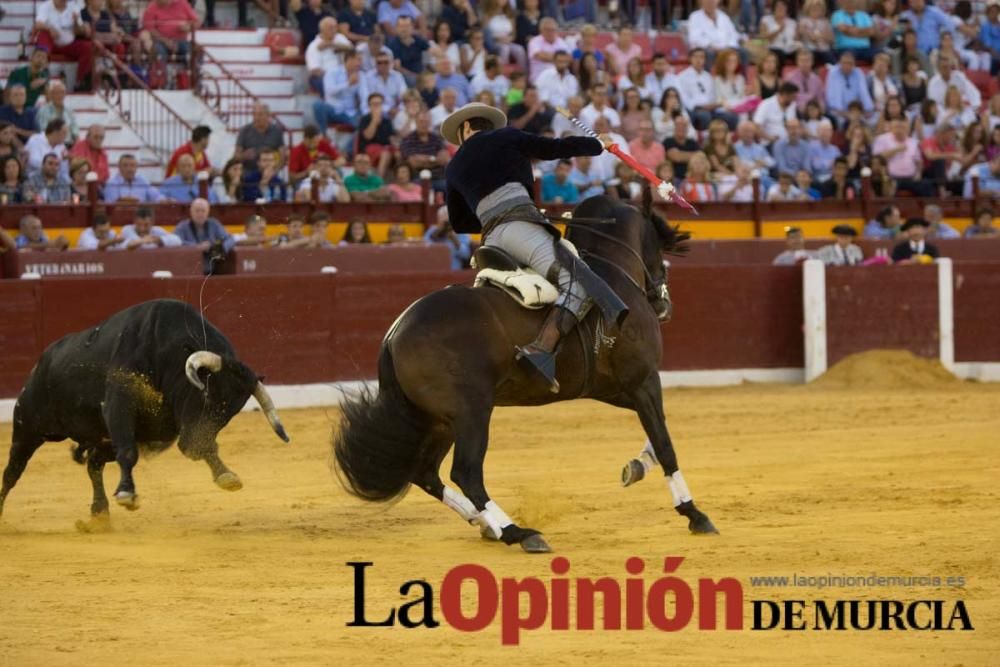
489,186
913,250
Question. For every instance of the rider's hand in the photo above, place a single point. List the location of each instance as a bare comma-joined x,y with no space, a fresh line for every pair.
606,140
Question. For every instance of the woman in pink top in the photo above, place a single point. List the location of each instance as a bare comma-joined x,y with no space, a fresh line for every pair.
633,113
622,51
403,189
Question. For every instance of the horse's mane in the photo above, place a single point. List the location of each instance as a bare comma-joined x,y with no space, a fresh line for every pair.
672,240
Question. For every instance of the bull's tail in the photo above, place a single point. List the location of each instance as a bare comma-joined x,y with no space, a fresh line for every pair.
382,439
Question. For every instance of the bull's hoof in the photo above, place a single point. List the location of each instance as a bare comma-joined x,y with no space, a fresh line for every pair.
229,481
128,500
633,472
535,544
702,525
99,523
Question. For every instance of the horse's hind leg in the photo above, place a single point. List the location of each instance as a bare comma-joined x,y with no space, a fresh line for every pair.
648,403
428,478
471,430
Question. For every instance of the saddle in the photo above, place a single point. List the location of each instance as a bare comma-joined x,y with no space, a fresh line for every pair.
523,284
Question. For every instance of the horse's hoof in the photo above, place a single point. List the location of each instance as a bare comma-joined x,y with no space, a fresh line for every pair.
229,481
535,544
702,525
632,472
99,523
129,501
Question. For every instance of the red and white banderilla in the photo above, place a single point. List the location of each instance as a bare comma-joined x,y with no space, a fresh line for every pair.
666,190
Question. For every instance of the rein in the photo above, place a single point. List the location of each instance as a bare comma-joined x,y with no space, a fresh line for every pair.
651,287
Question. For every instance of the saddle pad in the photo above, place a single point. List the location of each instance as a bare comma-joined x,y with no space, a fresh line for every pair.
524,286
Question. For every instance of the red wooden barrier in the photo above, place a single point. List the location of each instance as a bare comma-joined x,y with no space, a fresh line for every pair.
354,259
977,311
118,263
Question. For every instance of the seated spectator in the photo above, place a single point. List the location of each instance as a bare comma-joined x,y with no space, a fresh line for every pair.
659,80
99,25
11,181
390,11
403,188
780,31
730,87
634,111
448,78
405,120
645,148
48,185
460,17
408,50
804,182
680,148
845,84
170,23
183,186
902,155
356,233
621,51
885,225
557,187
425,149
815,32
99,236
697,89
558,84
10,146
34,76
669,108
201,231
59,31
323,54
913,83
492,79
542,48
396,235
795,249
459,245
318,224
375,134
947,76
588,180
363,184
254,234
261,135
839,185
33,237
982,226
737,186
719,149
942,157
384,81
17,113
774,112
531,114
264,181
329,185
371,49
55,109
128,185
7,242
443,47
939,229
822,152
295,233
518,82
883,184
427,88
587,45
697,185
881,83
356,21
810,85
473,54
843,252
792,153
197,148
228,187
929,22
51,142
138,43
785,189
309,14
341,103
91,149
598,107
79,188
955,112
144,234
711,30
751,152
915,249
302,157
852,30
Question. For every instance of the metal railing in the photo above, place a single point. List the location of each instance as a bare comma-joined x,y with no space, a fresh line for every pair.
159,127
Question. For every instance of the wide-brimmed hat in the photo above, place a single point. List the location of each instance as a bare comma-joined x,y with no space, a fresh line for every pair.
453,123
844,230
914,222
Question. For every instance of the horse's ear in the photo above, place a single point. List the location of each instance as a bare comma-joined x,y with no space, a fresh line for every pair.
647,200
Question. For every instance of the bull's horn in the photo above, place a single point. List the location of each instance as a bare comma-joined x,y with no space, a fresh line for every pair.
267,405
198,360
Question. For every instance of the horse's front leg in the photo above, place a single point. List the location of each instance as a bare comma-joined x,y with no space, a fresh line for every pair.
648,403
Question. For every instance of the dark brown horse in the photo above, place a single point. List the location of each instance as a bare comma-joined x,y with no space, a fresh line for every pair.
449,359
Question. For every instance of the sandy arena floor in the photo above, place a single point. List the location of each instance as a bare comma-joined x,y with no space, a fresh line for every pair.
799,480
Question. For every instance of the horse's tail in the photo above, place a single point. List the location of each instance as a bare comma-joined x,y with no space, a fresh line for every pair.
381,438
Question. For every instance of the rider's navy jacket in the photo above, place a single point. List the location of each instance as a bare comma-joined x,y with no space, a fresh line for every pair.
493,158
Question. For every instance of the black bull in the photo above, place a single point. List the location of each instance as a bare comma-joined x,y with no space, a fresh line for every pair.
449,360
145,377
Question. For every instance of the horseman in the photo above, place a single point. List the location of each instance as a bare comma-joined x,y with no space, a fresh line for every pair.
489,186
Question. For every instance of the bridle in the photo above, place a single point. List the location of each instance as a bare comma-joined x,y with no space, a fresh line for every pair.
655,290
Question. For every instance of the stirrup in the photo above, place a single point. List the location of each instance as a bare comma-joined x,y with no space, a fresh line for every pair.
542,361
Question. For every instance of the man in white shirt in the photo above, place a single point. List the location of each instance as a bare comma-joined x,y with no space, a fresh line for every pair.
606,163
447,104
697,89
59,30
542,47
772,114
99,236
491,79
331,185
557,84
53,141
661,78
948,76
599,108
324,54
144,235
712,30
385,81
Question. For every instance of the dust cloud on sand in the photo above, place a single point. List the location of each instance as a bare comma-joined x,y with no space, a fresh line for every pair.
815,480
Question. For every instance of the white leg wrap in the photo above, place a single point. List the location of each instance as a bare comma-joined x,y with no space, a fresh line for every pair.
647,457
678,488
489,524
458,502
500,515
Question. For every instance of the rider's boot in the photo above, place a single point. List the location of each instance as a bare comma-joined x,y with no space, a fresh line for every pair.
540,353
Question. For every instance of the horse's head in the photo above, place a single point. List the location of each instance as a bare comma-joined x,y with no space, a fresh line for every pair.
658,239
